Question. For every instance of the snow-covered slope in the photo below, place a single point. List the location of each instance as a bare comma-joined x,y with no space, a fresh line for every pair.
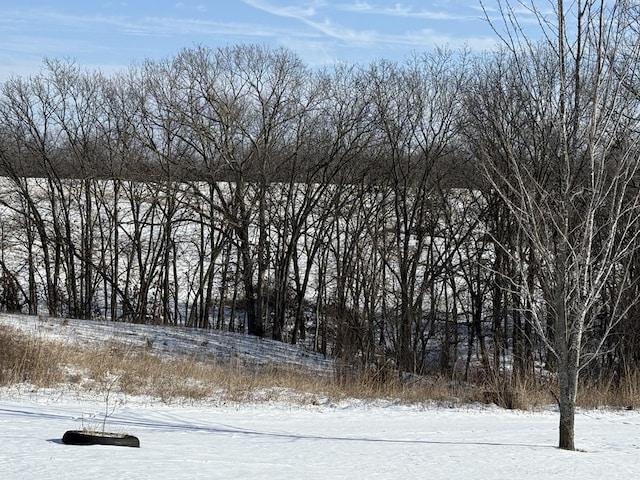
217,345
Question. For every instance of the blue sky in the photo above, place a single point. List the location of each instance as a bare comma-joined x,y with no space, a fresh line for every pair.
112,34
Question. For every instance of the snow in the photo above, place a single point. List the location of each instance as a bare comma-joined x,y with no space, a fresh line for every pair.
279,440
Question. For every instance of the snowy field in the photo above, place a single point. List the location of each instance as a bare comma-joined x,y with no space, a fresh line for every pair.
350,440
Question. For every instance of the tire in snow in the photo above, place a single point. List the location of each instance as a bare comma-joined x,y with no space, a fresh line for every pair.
79,437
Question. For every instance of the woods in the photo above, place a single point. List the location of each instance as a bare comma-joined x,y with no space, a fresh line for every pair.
465,215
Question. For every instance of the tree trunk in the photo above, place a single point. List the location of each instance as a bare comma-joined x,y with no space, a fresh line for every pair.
567,404
567,348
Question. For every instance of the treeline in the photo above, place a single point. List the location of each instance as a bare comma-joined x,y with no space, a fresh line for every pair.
357,209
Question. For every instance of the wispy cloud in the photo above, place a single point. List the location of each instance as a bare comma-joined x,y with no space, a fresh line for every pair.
200,8
293,11
82,37
321,17
405,11
310,15
152,26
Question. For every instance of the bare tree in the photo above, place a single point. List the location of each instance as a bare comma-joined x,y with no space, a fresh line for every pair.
341,136
416,111
567,169
119,153
75,177
30,135
243,114
163,100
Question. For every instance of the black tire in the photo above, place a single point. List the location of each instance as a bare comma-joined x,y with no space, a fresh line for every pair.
78,437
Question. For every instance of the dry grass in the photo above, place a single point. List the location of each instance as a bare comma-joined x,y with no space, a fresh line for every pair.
122,369
28,359
609,392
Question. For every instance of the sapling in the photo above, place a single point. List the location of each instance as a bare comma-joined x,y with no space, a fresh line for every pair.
110,383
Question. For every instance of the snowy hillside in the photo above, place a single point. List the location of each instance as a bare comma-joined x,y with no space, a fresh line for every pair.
221,346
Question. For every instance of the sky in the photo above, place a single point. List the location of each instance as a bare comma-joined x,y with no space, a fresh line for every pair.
111,35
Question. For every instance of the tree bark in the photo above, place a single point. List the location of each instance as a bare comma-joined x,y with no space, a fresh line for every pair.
567,406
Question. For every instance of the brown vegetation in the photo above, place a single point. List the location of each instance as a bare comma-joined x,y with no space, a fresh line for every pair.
118,368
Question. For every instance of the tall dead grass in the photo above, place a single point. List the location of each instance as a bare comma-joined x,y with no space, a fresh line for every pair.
611,392
28,359
116,367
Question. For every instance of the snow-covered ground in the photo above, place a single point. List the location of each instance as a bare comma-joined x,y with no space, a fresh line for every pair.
351,440
280,441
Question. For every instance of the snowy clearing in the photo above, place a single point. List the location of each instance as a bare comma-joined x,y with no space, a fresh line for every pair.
280,440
